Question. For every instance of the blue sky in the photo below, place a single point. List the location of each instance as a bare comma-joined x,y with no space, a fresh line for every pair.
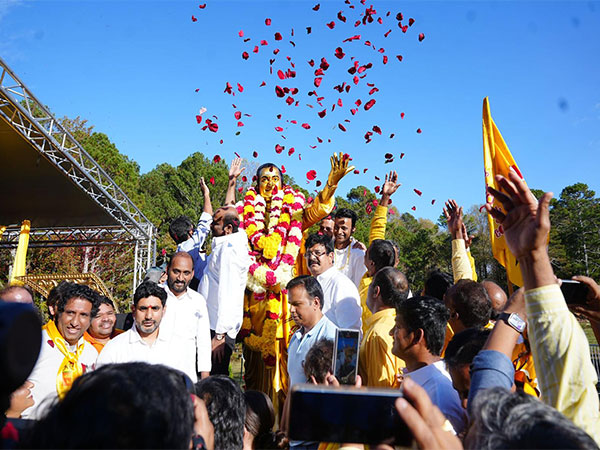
132,67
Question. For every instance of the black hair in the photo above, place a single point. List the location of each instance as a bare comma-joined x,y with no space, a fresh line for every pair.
56,293
472,303
265,166
74,290
129,405
180,228
226,410
311,284
382,253
504,419
260,419
428,314
437,283
464,346
347,214
104,300
149,289
391,281
319,360
323,239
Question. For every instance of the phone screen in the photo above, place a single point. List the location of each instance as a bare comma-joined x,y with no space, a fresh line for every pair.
575,293
345,360
346,414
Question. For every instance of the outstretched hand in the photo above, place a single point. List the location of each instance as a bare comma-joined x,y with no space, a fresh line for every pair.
204,187
236,168
526,222
454,218
339,168
591,308
390,185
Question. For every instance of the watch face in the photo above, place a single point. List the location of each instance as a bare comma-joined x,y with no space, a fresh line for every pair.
516,322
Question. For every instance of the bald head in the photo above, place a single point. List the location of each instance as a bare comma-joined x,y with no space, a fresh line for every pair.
226,220
16,294
392,286
496,294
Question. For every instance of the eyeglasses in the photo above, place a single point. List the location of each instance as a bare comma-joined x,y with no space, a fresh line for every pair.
308,254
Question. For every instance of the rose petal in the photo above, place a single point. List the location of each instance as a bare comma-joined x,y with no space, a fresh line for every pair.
240,124
267,22
212,180
278,36
311,175
306,126
322,113
331,25
339,53
341,127
421,37
278,129
341,17
198,118
385,59
255,154
387,33
433,201
241,33
282,168
308,30
399,57
411,21
401,155
279,91
369,104
245,55
240,87
352,38
392,135
376,129
419,130
202,6
291,151
414,208
316,7
263,42
402,115
194,19
216,159
238,115
281,75
399,16
279,148
418,192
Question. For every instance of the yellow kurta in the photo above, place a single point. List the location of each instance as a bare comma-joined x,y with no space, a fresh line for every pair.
378,225
377,365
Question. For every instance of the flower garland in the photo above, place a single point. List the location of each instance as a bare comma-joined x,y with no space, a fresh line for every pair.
275,246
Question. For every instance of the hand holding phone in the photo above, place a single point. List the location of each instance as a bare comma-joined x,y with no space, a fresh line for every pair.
345,358
575,292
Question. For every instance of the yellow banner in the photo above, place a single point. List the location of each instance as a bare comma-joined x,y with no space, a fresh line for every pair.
497,159
19,263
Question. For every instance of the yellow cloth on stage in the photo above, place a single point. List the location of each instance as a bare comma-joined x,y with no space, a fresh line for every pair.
21,256
377,231
377,365
497,160
70,368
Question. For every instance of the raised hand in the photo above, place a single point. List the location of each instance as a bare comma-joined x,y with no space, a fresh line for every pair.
339,168
204,187
454,218
390,185
526,222
236,168
591,308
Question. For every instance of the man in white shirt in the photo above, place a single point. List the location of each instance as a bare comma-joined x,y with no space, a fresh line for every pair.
418,340
223,285
305,298
341,301
191,240
349,258
186,317
64,354
146,341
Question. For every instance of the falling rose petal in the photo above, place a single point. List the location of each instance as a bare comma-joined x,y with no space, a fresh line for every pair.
318,183
341,17
213,127
414,208
311,63
202,6
275,51
279,91
381,50
293,121
311,175
291,151
279,116
241,33
289,100
387,33
196,90
341,127
358,102
410,22
279,148
331,25
313,146
263,84
404,28
373,90
402,115
278,36
399,57
240,87
418,192
399,16
376,129
388,155
354,111
216,159
318,72
385,59
421,37
355,79
322,113
240,124
365,170
377,178
356,172
263,42
339,53
316,7
278,129
212,180
352,38
194,19
433,201
198,119
339,102
324,64
308,30
255,154
306,126
281,75
319,140
369,208
282,168
377,188
392,135
255,49
245,55
369,104
419,130
267,22
401,155
247,40
238,115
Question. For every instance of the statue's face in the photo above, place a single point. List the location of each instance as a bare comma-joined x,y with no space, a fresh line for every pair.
269,179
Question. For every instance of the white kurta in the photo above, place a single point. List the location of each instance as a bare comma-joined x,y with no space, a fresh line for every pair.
342,301
186,321
351,262
45,371
224,282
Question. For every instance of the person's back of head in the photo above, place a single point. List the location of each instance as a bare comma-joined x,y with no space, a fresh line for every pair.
180,228
464,346
437,283
504,419
470,301
131,405
391,281
226,409
381,252
429,315
318,361
260,419
497,296
17,294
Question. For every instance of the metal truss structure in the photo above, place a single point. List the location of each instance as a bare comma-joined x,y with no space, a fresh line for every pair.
32,120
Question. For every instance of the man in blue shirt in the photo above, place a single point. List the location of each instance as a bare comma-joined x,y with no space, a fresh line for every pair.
305,297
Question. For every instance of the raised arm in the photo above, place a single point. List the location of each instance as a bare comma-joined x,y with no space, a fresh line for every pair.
461,265
379,220
206,193
234,172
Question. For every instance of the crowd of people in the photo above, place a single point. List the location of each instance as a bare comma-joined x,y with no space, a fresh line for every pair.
472,368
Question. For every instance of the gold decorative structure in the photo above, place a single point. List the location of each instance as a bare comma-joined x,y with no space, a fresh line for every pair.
43,284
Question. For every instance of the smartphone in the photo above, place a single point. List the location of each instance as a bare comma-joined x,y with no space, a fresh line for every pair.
347,414
575,292
345,358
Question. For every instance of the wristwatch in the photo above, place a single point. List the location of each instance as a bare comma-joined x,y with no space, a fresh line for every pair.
513,320
220,337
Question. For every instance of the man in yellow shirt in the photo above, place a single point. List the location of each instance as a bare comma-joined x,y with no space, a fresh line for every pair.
378,366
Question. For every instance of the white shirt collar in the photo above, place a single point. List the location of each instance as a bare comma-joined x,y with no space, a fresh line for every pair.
328,274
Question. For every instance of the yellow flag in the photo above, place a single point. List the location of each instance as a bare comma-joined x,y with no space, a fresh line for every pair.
497,160
21,256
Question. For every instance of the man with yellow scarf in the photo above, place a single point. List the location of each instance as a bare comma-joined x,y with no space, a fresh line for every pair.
64,355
